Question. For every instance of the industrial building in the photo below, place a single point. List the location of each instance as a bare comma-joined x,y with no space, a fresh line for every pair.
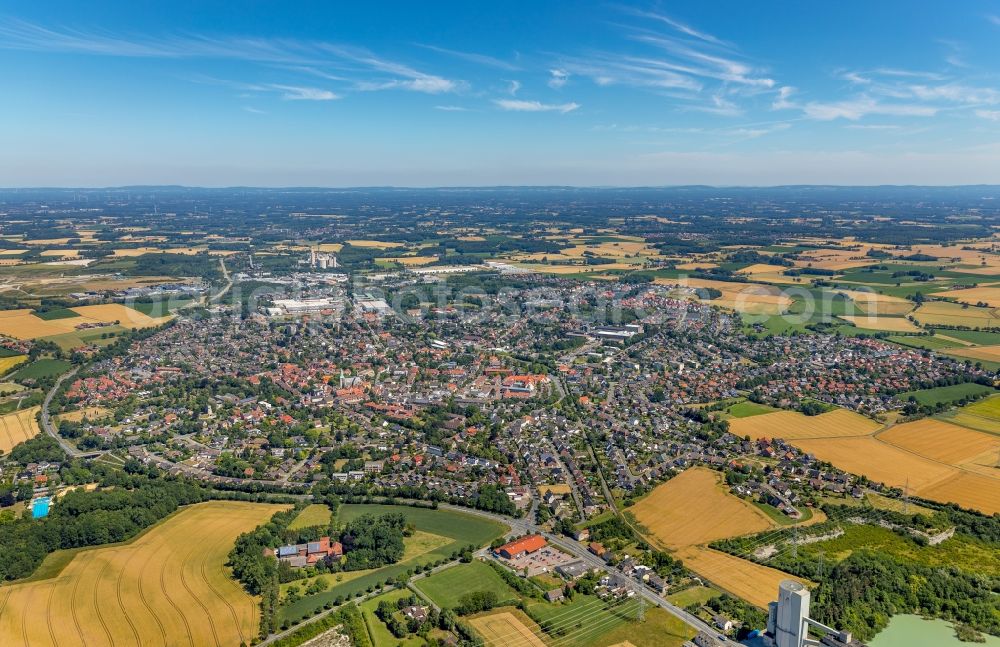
789,624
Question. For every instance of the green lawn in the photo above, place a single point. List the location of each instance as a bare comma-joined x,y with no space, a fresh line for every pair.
316,514
42,368
462,529
946,394
780,517
747,409
448,586
693,595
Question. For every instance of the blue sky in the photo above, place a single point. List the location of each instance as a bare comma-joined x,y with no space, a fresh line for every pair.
469,93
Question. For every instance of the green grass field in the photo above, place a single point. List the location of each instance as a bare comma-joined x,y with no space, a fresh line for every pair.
659,629
316,514
585,620
60,313
42,368
747,409
693,595
160,308
959,552
447,587
927,342
946,394
97,336
980,338
462,529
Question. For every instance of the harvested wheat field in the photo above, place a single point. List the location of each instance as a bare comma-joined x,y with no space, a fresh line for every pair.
969,490
988,295
989,353
791,425
87,413
504,628
23,324
874,304
751,581
17,427
761,268
409,261
753,298
693,508
168,587
376,244
885,324
944,442
897,467
947,313
112,312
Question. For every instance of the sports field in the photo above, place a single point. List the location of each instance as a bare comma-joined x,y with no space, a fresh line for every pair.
792,425
168,587
17,427
508,627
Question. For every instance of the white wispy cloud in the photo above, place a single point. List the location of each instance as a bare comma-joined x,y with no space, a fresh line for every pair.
513,87
451,108
473,57
298,93
678,26
254,111
858,108
352,64
992,115
520,105
558,78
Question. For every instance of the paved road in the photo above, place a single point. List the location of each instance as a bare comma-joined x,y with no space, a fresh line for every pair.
50,428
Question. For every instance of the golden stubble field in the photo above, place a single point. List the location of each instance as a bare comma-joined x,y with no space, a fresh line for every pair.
17,427
790,425
168,587
505,628
934,459
23,324
693,509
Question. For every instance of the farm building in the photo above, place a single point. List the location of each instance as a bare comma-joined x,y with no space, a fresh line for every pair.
522,546
307,554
